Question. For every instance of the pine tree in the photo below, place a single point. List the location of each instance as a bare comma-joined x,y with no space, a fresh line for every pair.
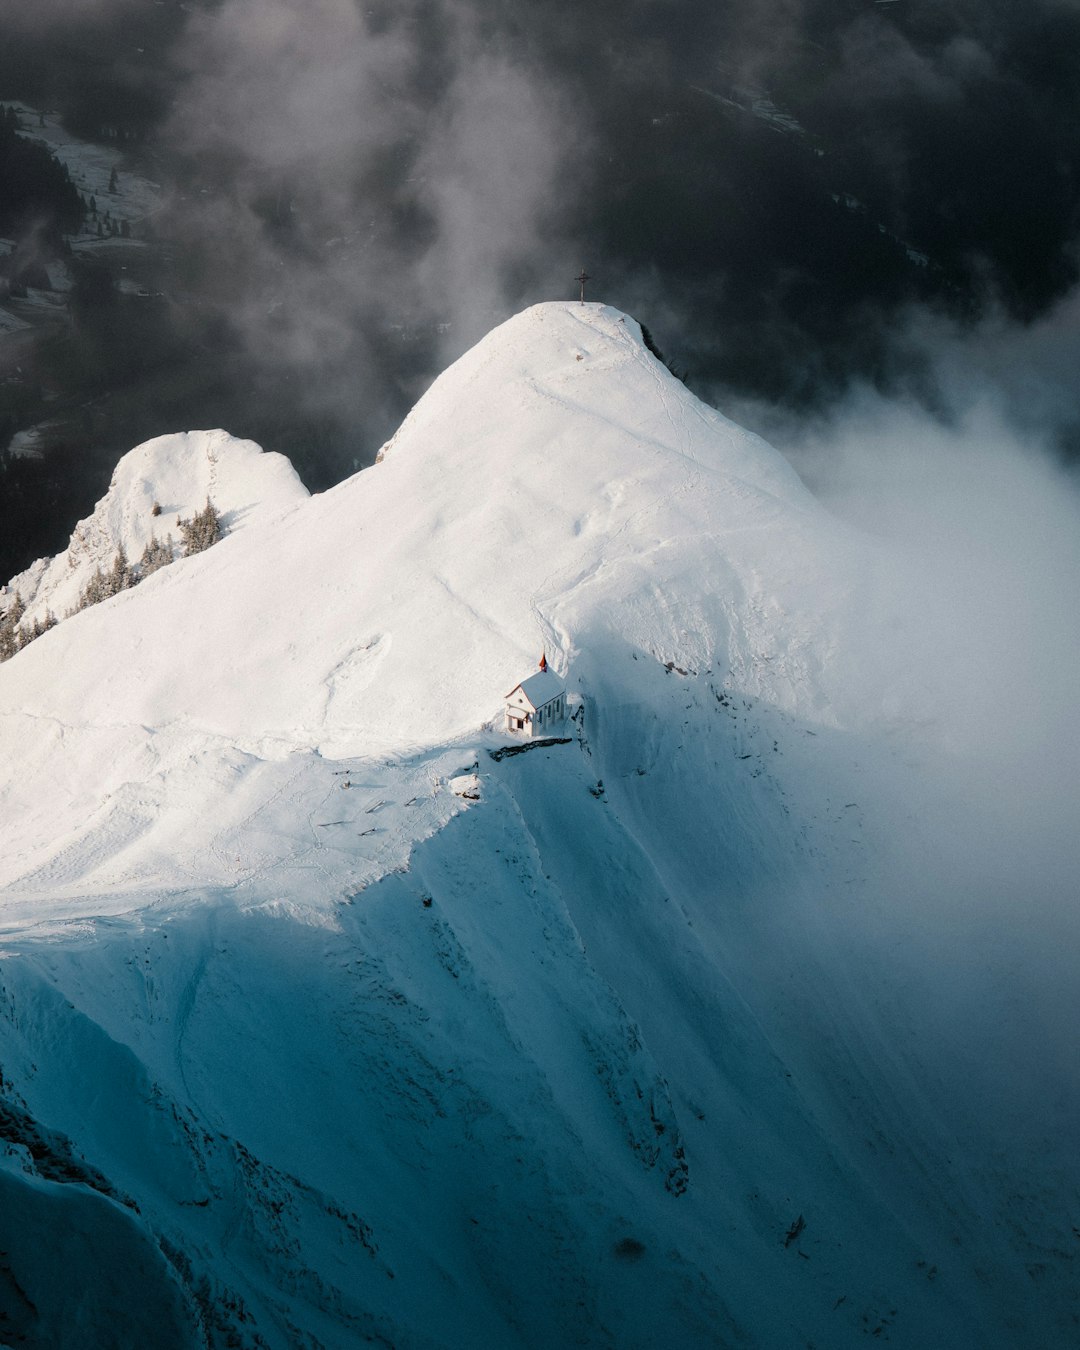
202,531
9,628
94,591
155,556
120,577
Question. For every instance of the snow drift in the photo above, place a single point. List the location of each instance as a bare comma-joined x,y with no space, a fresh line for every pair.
632,1044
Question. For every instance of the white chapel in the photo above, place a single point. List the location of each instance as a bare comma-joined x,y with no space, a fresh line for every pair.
536,705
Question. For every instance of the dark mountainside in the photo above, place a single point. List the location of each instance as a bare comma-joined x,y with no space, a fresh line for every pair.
775,194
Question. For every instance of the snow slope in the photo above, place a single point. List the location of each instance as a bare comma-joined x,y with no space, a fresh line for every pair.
635,1049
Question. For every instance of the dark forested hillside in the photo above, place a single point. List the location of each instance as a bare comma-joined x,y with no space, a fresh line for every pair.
35,188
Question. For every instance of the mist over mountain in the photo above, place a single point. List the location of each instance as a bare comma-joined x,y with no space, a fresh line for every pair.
743,1012
798,198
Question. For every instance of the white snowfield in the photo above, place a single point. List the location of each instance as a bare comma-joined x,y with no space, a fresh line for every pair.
321,1025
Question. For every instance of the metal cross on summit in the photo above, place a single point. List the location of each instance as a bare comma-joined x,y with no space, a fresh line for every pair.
583,278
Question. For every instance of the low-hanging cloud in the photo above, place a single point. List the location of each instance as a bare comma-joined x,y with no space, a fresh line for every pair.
490,180
371,180
967,772
369,188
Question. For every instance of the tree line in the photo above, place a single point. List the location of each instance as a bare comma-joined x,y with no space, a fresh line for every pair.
197,534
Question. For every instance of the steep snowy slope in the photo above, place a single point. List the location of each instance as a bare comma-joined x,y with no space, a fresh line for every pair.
640,1048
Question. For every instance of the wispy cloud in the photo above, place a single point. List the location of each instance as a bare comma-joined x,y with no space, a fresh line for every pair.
372,177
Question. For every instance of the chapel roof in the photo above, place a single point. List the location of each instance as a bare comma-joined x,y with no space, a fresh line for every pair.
539,688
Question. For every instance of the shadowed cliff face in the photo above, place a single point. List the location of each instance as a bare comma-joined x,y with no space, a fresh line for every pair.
782,191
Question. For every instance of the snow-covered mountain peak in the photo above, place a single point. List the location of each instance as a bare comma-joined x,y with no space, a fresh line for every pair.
556,484
592,361
329,1016
153,488
556,489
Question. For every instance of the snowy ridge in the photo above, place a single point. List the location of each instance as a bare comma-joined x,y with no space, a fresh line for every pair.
632,1045
621,507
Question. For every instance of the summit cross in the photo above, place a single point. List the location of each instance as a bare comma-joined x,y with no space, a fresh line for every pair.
583,278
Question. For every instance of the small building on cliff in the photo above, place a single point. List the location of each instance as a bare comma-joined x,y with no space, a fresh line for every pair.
537,705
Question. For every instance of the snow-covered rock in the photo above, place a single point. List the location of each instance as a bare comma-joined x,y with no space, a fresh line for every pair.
176,474
362,1030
